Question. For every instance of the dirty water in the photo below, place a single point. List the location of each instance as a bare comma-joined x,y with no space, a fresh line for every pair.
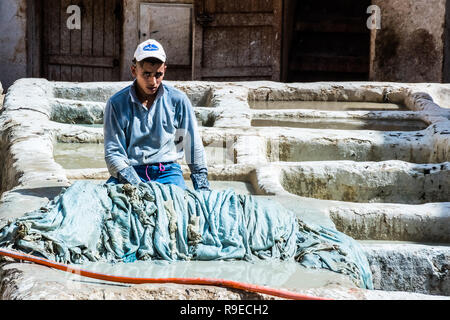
326,105
282,275
344,124
94,125
91,155
79,155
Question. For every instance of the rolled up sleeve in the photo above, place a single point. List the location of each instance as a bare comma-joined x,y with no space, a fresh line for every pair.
193,146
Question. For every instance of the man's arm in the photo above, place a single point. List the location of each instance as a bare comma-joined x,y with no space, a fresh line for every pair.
115,148
193,147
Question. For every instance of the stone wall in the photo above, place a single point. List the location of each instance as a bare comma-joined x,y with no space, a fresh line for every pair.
409,47
13,51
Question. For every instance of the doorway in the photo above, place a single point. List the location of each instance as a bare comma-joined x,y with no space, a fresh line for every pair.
326,40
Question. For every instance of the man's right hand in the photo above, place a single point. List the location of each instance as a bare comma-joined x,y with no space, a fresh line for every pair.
128,175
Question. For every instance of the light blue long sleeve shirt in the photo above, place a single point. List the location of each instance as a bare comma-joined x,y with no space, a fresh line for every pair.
135,135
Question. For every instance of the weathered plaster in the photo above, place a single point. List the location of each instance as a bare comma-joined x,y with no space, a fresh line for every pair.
409,47
13,51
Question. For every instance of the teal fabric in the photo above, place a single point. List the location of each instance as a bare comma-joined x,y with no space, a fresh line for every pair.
153,221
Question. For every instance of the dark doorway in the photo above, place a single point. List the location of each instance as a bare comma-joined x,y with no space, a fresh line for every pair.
89,53
326,40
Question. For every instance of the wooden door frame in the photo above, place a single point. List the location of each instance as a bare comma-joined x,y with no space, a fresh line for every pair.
34,37
446,64
197,38
201,16
289,9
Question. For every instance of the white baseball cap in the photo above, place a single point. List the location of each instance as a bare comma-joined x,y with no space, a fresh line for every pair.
150,48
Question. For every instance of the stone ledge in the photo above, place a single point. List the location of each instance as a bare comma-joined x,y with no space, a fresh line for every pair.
409,267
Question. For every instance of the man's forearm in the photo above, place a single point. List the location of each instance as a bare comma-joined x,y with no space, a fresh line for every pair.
198,167
116,157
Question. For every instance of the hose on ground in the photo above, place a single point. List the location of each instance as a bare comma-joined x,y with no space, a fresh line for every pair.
134,280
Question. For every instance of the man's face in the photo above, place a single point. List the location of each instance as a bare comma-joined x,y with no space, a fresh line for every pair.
149,76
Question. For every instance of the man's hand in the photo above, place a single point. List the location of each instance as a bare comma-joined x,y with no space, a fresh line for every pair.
200,181
128,175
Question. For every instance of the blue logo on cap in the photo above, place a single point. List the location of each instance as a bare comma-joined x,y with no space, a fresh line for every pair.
151,47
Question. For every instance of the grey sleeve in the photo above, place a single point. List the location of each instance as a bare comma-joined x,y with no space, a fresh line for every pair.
114,141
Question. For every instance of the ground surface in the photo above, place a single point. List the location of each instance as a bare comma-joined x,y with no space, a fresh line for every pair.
373,185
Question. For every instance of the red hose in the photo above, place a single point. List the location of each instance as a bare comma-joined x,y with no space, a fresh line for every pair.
193,281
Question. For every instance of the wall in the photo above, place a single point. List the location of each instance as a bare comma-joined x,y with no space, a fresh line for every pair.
409,46
13,51
446,69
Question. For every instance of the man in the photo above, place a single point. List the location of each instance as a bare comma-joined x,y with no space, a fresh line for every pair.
149,125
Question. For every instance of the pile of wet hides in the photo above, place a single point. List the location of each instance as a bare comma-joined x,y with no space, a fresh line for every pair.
90,222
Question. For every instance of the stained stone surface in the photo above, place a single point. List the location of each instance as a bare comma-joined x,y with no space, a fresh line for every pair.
377,186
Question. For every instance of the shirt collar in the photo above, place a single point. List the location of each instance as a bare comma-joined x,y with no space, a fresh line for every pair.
135,99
